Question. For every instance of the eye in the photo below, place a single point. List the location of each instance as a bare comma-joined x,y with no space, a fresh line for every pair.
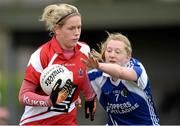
108,50
79,27
71,28
118,51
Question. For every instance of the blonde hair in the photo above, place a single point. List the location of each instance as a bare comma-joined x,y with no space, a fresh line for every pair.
103,45
56,13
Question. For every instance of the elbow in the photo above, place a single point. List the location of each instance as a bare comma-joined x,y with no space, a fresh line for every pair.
20,98
120,73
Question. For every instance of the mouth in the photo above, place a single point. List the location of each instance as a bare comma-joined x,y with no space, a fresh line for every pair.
112,61
76,40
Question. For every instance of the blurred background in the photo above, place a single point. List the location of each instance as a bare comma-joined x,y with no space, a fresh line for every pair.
153,27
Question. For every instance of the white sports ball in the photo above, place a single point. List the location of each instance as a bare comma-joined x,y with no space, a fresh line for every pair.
51,75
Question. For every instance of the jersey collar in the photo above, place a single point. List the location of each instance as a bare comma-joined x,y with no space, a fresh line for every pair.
56,46
115,83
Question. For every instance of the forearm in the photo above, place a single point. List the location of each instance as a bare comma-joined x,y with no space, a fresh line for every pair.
114,70
32,99
27,96
118,71
87,90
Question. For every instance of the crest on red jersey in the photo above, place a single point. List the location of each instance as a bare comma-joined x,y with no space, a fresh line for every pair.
80,72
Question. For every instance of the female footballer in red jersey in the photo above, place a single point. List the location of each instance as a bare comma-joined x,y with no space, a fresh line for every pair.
64,21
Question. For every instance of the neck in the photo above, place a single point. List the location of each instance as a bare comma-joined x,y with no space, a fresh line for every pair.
62,45
66,49
114,79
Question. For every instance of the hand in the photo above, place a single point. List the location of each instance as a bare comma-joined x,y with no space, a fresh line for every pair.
91,62
90,109
78,102
65,91
58,95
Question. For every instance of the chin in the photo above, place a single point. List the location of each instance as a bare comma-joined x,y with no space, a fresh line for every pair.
71,47
112,62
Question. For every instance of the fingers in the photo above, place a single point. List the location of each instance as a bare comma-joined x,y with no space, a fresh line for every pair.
78,102
62,95
92,116
55,91
90,62
87,62
59,95
90,108
91,58
83,61
94,110
93,61
91,113
87,113
56,86
95,104
68,87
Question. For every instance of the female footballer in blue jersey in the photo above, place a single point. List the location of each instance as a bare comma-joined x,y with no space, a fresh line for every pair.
121,83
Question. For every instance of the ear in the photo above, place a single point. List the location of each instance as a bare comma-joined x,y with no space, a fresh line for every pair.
128,57
57,29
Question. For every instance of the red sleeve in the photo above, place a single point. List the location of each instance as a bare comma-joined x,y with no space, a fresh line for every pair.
27,95
87,90
32,75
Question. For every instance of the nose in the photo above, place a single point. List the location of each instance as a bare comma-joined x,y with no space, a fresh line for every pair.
112,54
77,31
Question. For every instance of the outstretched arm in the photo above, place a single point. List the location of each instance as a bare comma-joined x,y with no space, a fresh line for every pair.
113,69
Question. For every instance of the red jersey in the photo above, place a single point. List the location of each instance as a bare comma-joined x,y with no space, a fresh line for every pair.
48,54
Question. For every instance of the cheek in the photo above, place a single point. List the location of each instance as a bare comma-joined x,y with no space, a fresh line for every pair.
124,60
121,59
66,39
106,56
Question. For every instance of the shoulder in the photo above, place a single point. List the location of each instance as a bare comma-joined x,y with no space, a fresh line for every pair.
94,73
84,48
142,80
134,63
46,47
39,56
43,50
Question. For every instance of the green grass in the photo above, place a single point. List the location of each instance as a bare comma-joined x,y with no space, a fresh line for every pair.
9,88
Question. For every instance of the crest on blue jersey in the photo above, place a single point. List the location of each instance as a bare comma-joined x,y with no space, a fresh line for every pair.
124,92
80,72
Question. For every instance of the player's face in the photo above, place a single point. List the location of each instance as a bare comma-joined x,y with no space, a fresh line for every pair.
69,34
116,53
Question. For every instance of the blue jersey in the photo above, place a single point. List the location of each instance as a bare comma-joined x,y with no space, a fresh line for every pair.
126,102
